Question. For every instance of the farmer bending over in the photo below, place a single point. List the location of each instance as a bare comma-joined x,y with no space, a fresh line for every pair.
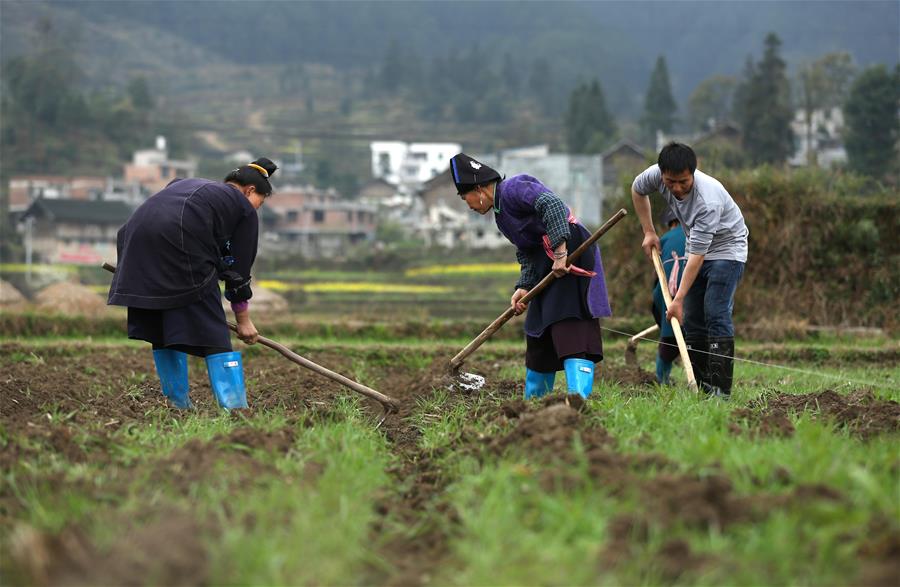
717,252
172,253
561,329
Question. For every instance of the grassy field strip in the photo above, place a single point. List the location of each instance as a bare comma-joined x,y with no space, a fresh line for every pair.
303,517
515,531
294,497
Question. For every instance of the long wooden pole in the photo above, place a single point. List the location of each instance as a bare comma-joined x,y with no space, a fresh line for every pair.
457,361
676,326
389,403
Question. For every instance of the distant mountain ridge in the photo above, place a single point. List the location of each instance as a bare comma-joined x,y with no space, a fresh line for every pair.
615,41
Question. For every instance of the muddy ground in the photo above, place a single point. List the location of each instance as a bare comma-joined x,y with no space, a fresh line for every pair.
71,400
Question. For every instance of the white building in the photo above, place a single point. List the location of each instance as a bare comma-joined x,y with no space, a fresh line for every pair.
825,140
577,179
410,163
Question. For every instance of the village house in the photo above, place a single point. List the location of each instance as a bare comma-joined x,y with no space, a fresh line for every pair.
152,169
315,223
818,140
410,163
25,189
81,232
621,163
577,179
448,222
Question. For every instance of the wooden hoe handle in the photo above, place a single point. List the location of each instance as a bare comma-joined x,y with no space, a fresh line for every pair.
676,326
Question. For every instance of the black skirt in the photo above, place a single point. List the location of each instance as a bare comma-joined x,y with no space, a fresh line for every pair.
200,324
569,339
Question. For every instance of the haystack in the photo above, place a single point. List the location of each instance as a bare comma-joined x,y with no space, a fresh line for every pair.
70,298
10,297
264,301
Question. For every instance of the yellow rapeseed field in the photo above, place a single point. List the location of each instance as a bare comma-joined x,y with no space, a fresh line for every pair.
354,287
467,269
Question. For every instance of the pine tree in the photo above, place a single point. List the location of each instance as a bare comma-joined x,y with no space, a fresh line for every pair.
711,102
872,122
766,108
659,105
589,125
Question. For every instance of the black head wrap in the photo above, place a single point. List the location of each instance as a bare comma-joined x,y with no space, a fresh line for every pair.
468,173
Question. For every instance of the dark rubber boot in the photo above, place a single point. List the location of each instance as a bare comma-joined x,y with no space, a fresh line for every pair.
699,361
721,365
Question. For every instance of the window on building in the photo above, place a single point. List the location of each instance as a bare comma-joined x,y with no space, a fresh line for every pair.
318,216
384,163
292,216
349,216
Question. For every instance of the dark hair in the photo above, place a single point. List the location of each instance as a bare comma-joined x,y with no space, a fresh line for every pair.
676,157
250,175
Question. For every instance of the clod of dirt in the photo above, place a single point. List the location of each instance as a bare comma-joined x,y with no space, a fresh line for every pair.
198,461
627,375
276,441
706,502
860,412
675,558
550,428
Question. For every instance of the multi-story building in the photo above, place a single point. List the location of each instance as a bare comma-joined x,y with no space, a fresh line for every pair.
410,163
153,170
314,222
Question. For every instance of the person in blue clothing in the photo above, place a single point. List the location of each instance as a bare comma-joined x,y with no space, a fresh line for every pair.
562,331
673,259
172,253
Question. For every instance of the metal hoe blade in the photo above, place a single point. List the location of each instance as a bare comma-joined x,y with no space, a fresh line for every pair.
469,382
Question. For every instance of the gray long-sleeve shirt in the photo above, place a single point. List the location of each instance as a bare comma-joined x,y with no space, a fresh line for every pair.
712,222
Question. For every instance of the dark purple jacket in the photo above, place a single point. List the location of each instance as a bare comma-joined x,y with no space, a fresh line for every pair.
170,250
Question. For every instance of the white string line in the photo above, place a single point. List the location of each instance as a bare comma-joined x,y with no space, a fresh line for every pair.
752,362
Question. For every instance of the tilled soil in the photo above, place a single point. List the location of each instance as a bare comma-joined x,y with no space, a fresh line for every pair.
860,412
72,401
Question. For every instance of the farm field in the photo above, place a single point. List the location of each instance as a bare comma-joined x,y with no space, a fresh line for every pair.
795,481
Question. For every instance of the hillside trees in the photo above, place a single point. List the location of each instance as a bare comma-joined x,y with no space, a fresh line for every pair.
872,123
710,104
51,125
764,107
659,104
589,126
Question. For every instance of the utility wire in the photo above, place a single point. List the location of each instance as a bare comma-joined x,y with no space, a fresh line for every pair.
760,363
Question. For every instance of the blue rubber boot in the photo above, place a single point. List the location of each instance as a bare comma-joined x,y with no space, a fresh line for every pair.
172,368
226,375
537,384
663,370
579,376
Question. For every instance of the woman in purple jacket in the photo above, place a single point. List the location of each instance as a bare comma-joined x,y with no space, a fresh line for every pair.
172,253
561,329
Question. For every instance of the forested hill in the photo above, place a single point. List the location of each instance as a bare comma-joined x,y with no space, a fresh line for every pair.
615,41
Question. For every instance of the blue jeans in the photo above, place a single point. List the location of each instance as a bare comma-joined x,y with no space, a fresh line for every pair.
709,303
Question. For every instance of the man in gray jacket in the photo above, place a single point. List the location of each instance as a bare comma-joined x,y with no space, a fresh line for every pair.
717,251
